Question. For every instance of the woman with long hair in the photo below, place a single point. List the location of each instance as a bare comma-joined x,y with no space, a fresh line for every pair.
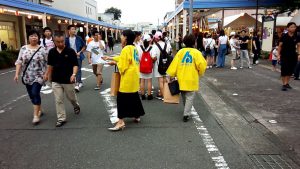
222,45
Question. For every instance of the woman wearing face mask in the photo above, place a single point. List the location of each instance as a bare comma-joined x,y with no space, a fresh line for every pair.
129,104
33,70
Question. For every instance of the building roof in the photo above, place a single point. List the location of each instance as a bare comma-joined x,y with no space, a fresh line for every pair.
230,4
21,4
237,21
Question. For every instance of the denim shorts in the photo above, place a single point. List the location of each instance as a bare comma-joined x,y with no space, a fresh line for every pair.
210,54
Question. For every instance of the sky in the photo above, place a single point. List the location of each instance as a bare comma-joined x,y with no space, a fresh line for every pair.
134,11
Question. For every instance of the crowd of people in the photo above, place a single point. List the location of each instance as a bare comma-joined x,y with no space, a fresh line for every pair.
58,59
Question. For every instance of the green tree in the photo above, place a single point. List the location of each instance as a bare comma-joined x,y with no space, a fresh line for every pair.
117,12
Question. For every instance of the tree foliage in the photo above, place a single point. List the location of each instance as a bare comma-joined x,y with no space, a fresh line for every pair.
117,12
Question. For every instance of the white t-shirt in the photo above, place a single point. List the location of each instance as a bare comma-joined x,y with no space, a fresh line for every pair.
49,44
274,54
155,52
209,41
233,44
223,40
96,52
73,43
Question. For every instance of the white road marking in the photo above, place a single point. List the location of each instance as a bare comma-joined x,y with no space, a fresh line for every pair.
87,69
111,105
45,90
7,72
4,106
2,111
208,141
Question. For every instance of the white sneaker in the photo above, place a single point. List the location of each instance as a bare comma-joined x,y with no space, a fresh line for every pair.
250,67
80,85
210,66
207,67
77,88
233,68
257,62
35,120
241,67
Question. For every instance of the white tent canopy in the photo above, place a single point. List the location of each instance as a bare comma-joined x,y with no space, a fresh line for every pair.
283,20
296,19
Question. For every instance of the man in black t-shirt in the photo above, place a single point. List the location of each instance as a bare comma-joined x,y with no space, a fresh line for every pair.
256,47
62,70
244,40
287,54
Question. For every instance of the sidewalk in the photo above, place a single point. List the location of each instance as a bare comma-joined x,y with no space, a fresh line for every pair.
257,94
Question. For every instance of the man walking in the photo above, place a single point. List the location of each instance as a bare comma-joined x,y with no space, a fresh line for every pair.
62,70
76,43
95,53
287,54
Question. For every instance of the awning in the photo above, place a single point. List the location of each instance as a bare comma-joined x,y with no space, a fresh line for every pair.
221,4
21,4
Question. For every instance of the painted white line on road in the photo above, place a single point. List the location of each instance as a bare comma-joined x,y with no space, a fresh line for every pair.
209,143
7,72
87,69
111,105
45,90
5,107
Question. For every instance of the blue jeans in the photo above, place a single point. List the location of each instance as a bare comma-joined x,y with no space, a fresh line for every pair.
221,56
34,93
78,76
297,70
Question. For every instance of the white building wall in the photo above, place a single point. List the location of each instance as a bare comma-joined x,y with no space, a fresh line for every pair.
84,8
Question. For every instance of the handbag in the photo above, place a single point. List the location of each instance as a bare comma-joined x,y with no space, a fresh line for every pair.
168,97
28,65
207,49
174,87
115,82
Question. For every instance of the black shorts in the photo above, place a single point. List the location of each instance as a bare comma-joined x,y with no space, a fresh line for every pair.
288,67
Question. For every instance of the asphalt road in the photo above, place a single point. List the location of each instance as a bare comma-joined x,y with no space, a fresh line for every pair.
160,141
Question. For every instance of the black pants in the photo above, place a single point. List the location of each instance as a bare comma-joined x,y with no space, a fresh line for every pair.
297,70
256,55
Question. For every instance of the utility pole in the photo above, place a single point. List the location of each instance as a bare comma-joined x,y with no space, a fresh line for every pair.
256,24
191,17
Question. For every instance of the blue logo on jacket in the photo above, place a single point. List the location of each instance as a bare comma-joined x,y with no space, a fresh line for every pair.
187,58
136,56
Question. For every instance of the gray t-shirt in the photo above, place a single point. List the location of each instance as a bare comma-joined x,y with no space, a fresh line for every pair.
73,43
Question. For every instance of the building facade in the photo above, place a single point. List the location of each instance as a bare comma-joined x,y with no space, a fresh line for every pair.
84,8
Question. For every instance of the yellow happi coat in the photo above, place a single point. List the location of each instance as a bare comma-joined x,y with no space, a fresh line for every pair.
128,65
188,66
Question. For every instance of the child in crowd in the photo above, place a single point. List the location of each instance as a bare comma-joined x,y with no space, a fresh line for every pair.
274,58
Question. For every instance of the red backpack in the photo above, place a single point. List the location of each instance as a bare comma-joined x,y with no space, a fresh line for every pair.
146,64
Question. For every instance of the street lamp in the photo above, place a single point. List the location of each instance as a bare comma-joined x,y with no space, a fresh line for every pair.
191,17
